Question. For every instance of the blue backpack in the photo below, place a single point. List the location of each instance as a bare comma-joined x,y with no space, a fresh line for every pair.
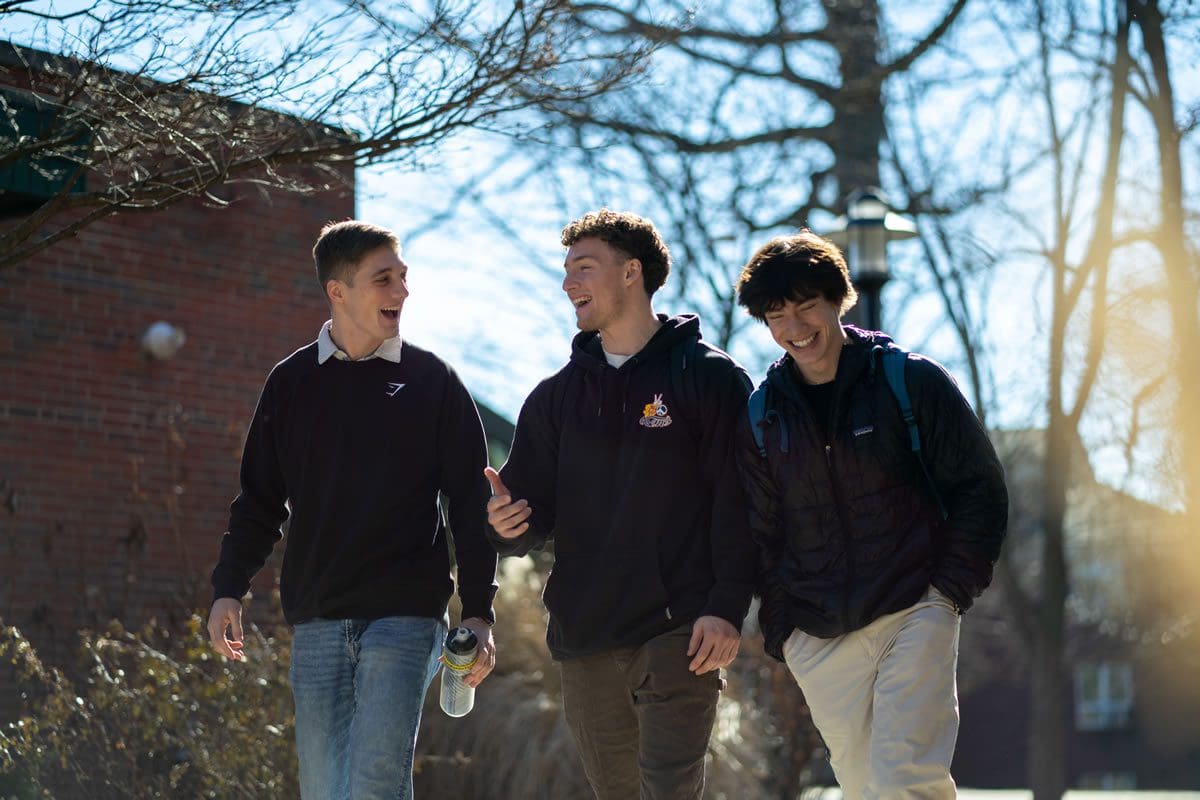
893,358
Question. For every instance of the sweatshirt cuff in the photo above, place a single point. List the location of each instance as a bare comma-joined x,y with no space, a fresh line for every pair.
731,603
479,604
226,586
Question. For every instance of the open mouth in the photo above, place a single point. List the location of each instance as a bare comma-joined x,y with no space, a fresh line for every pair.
581,301
391,314
799,344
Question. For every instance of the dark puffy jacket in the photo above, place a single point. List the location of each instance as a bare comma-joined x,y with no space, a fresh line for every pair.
847,527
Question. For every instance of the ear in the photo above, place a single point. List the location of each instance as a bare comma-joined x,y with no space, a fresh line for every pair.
633,271
334,291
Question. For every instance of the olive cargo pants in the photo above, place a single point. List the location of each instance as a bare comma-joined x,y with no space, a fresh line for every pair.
641,719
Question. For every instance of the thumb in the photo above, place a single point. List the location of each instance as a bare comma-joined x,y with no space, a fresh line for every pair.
493,478
235,625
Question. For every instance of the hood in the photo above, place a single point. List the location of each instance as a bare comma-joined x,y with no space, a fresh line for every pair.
855,357
587,353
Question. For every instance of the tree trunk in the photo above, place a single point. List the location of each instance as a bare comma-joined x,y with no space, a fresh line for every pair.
1182,287
857,129
1049,692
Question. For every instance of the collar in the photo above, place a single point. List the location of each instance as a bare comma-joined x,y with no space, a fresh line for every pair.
327,348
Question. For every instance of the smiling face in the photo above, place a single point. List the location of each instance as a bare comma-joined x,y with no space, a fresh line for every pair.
366,309
600,283
811,332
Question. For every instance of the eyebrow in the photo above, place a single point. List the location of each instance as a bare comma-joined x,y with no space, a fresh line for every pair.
579,263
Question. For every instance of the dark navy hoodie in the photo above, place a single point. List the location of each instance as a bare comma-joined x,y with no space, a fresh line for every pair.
630,472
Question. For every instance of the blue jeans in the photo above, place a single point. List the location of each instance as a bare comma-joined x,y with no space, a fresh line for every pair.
358,687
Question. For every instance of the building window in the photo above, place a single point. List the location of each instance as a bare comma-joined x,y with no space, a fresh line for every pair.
28,182
1103,695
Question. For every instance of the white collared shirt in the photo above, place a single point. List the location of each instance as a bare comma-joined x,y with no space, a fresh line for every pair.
327,348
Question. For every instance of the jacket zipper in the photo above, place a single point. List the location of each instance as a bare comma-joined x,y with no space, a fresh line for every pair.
846,543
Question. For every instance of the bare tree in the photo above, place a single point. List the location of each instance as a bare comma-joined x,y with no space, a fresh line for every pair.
1180,263
133,105
749,118
1068,159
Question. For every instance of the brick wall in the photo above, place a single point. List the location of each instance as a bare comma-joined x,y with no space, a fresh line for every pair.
116,471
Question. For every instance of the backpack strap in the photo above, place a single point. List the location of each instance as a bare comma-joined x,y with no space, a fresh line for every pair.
756,407
894,359
760,418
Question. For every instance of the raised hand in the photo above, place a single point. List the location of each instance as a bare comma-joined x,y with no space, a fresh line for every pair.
507,518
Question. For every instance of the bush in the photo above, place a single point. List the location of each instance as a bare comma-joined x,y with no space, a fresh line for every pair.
154,715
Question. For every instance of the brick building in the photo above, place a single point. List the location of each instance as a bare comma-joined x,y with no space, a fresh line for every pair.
116,468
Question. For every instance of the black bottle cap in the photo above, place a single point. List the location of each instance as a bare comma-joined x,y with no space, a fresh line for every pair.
461,641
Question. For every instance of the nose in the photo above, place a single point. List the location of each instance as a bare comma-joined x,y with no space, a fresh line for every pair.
569,282
401,287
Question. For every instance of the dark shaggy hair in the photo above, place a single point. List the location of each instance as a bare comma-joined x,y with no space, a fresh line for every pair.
796,267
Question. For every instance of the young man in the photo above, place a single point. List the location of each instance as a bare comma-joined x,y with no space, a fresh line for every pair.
863,578
623,458
355,435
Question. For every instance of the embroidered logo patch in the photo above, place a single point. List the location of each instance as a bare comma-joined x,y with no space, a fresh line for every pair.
394,389
654,415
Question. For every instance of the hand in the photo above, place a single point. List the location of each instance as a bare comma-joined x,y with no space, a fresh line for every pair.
508,519
714,644
226,613
485,658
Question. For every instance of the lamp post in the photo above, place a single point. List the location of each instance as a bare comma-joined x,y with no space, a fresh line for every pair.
863,233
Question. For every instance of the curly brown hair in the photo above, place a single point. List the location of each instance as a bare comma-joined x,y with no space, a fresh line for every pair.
634,236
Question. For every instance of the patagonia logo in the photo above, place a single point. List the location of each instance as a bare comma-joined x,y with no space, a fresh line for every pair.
863,431
654,414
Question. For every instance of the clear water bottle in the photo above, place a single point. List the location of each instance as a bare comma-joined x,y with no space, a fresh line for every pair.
458,657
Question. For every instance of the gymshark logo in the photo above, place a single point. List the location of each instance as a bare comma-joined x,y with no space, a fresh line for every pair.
394,389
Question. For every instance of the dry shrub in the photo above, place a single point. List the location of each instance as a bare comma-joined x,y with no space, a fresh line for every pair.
514,744
153,715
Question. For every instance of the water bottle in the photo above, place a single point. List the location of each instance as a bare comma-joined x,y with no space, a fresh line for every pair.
458,657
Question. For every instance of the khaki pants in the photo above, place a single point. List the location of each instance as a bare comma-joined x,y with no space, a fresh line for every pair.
885,701
641,720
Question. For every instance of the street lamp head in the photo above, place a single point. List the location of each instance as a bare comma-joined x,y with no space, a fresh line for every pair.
864,232
866,207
